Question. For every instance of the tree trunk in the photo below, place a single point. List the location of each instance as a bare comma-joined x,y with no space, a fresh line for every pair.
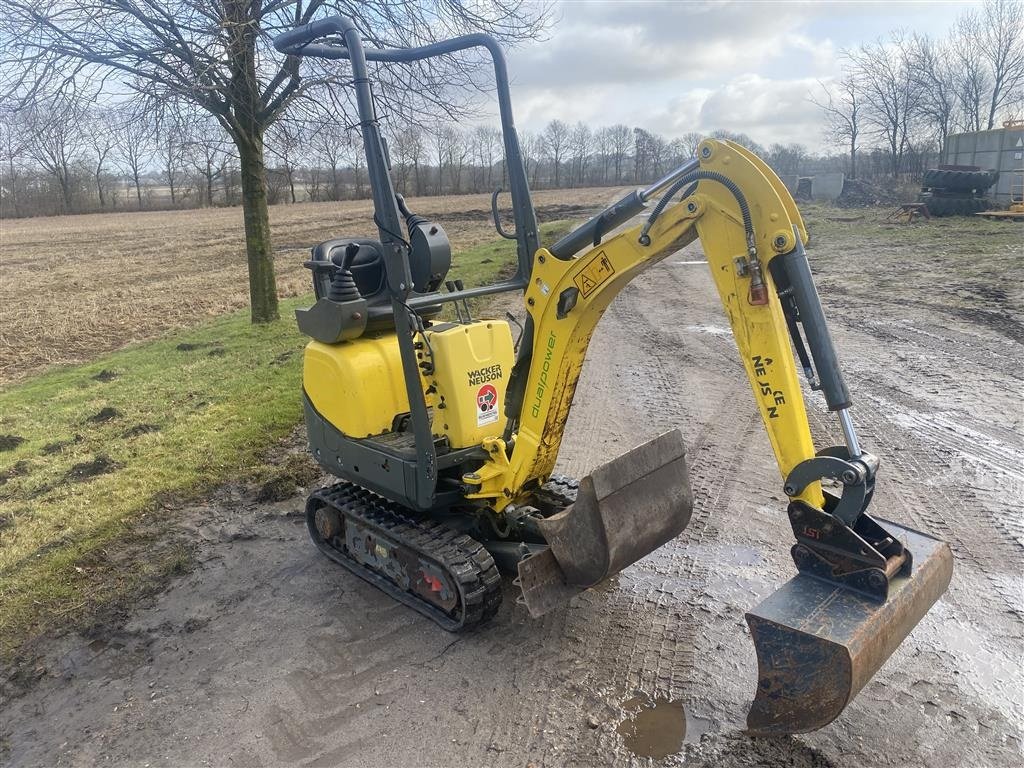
262,285
64,178
99,188
138,186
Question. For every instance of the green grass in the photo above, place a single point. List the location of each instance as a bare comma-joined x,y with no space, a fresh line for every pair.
490,261
105,442
83,518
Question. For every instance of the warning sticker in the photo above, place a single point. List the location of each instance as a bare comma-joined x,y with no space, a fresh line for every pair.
486,405
595,273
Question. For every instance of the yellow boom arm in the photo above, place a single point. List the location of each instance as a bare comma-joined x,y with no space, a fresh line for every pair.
566,298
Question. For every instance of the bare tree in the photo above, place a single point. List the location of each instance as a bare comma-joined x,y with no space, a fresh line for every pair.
603,150
842,107
285,145
216,55
555,140
172,135
457,152
329,142
621,141
885,80
690,142
1002,38
13,143
486,141
930,70
786,158
134,133
532,149
971,78
102,142
581,144
206,150
53,125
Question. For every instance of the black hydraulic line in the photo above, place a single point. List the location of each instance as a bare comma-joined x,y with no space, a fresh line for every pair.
758,293
725,181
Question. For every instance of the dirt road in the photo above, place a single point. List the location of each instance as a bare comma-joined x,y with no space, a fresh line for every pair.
267,654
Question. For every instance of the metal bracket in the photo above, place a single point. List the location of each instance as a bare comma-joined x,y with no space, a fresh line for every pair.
856,474
863,557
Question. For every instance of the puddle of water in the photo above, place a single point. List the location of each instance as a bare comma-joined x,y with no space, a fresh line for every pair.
657,728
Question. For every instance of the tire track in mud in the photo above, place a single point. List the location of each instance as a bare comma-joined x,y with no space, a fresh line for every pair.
645,625
952,471
933,439
337,687
930,498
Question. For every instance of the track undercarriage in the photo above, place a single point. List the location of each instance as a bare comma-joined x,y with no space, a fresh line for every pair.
435,567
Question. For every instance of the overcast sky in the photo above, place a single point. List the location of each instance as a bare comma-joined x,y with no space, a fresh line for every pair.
673,67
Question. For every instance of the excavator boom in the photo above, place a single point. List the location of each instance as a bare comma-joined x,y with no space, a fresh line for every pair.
863,583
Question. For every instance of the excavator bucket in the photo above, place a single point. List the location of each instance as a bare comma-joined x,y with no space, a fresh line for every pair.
819,643
624,510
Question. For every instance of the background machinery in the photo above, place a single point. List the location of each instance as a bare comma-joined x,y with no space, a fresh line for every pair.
444,435
1015,212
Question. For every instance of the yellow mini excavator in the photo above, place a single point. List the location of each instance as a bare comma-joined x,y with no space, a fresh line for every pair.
444,435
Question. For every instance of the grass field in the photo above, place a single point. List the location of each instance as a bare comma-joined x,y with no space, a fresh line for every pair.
90,454
78,286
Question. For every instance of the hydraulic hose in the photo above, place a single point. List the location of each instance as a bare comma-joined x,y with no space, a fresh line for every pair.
699,175
758,293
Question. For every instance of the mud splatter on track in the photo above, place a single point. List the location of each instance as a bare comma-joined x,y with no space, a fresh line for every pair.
268,654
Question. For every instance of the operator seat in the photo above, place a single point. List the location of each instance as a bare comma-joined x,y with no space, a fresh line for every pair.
368,271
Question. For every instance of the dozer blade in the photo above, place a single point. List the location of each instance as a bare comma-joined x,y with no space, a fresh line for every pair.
624,510
818,643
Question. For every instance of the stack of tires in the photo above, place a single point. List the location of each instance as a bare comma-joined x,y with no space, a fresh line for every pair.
956,192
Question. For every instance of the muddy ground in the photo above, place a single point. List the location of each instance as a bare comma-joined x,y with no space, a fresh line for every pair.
268,654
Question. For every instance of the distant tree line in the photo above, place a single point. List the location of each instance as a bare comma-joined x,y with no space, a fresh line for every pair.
61,156
63,151
900,97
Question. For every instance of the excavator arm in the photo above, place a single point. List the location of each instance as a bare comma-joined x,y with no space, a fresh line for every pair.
863,583
567,297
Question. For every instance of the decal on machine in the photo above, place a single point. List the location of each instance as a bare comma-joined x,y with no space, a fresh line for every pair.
775,397
483,375
486,405
595,273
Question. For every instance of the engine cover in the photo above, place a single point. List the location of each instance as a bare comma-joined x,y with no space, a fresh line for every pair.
471,366
356,385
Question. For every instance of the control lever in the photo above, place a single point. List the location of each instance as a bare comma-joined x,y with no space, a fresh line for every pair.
450,287
460,286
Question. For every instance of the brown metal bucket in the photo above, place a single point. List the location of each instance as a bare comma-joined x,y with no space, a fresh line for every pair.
624,510
818,644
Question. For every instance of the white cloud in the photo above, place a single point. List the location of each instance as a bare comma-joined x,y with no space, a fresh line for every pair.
673,67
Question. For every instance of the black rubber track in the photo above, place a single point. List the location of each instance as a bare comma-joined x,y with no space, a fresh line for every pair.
463,558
